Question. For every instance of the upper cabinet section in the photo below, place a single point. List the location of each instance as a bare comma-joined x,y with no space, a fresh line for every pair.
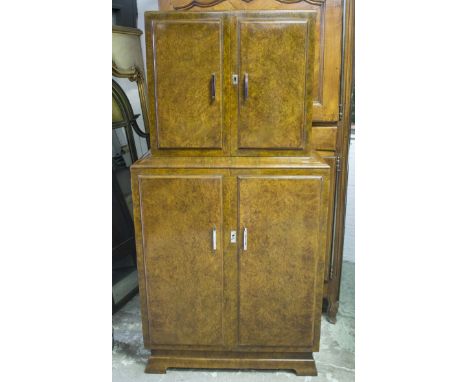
186,55
327,32
274,55
231,83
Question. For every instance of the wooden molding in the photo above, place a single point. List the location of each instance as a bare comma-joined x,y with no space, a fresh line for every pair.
211,3
195,3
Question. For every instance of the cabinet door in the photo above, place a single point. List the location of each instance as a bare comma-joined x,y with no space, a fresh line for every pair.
185,59
280,282
275,66
183,258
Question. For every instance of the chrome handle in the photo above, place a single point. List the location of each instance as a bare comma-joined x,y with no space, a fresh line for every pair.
213,87
214,238
246,86
245,239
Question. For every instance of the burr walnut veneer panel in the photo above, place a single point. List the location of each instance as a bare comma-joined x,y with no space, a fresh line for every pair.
183,267
187,115
275,97
278,263
186,65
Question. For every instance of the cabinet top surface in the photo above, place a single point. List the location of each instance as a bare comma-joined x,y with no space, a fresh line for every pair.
312,161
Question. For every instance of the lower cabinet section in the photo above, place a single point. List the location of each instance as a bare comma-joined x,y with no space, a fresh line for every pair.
231,260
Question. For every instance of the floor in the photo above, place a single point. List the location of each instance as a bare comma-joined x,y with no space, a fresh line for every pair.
335,361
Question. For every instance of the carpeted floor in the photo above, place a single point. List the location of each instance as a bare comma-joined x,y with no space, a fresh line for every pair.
335,361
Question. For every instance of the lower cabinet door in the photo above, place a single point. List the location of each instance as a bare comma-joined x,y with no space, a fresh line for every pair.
279,219
181,219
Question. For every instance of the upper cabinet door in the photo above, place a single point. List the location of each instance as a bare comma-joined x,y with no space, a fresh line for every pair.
185,58
275,92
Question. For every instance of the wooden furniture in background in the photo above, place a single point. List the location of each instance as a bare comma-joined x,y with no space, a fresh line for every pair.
332,83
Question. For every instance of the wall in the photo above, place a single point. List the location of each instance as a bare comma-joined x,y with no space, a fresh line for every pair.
143,6
348,250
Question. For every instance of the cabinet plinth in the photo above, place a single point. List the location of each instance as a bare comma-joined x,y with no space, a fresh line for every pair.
303,364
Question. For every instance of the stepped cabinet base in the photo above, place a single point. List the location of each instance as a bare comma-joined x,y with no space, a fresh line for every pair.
301,363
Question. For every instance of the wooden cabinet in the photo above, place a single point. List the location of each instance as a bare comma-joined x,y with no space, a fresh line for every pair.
231,259
239,205
234,83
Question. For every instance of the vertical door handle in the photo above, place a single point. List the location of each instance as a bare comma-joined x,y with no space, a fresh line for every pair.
213,87
214,238
246,86
245,239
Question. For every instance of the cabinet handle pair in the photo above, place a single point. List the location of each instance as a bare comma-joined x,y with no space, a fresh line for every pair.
244,241
213,86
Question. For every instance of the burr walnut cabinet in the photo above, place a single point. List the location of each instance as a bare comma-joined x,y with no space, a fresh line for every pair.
230,69
231,253
236,206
